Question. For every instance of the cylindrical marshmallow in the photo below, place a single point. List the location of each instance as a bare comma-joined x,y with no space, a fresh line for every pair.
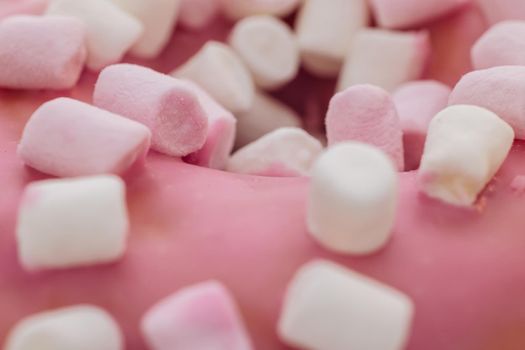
168,108
197,14
22,7
237,9
110,31
465,147
41,52
268,48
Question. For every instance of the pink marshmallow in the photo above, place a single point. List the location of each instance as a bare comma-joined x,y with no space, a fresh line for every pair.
199,317
197,14
417,103
503,44
19,7
168,108
501,10
366,113
65,137
498,89
41,52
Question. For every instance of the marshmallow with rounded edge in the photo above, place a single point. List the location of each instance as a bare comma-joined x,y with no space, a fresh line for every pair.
167,107
158,18
32,57
266,115
197,14
79,327
110,31
503,44
72,222
200,317
329,307
217,69
501,10
325,31
385,58
465,147
498,89
282,152
237,9
22,7
366,113
268,48
353,198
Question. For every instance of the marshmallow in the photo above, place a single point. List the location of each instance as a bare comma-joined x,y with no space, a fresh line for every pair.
325,31
465,147
502,10
200,317
110,31
217,69
417,103
353,199
79,327
32,57
503,44
397,14
167,107
266,115
328,307
18,7
197,14
366,113
499,89
72,222
237,9
268,48
158,18
385,58
282,152
65,137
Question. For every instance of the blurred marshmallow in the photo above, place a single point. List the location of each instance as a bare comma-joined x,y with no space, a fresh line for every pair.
72,222
237,9
217,69
32,57
325,31
329,307
465,147
502,10
22,7
197,14
65,137
268,48
79,327
282,152
200,317
385,58
110,31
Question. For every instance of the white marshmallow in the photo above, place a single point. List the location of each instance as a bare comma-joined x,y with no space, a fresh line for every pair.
266,115
237,9
328,307
325,31
197,14
158,18
465,147
217,69
282,152
353,198
268,48
81,327
72,222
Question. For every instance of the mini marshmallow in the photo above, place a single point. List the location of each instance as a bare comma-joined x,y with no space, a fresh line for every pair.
366,113
167,107
499,89
329,307
33,58
266,115
282,152
503,44
465,147
72,222
501,10
197,14
65,137
385,58
325,31
158,18
353,199
217,69
199,317
22,7
237,9
268,48
417,103
110,31
79,327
